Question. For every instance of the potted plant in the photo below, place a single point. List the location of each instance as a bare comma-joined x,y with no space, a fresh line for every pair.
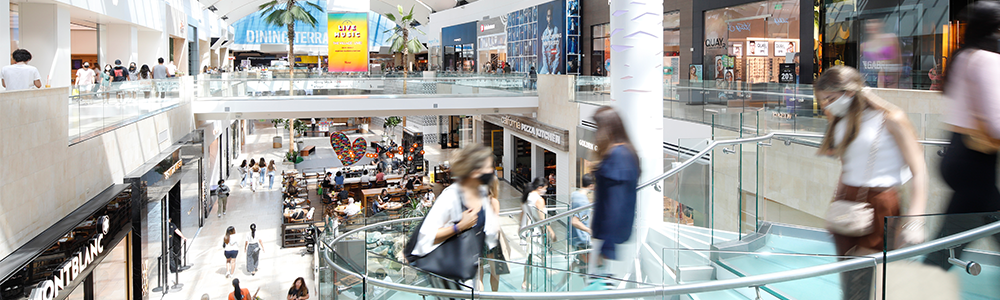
390,125
277,138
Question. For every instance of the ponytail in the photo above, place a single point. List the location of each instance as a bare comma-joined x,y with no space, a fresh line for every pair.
530,187
237,292
253,231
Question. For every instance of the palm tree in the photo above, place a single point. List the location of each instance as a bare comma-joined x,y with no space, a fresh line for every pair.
286,13
400,40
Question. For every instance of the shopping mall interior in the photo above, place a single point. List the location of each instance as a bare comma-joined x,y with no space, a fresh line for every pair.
116,181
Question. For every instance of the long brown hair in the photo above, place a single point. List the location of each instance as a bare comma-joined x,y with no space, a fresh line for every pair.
303,289
270,166
610,131
229,232
842,79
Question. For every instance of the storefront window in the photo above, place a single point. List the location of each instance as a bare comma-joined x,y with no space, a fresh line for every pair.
748,42
895,44
600,57
672,47
110,280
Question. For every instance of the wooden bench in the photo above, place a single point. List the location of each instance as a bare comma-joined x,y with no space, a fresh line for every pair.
308,150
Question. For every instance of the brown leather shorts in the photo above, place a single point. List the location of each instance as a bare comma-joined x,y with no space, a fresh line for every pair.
885,201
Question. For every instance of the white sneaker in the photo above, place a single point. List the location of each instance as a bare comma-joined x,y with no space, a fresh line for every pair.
220,215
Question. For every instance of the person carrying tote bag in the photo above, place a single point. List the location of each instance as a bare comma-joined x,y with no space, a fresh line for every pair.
462,222
878,150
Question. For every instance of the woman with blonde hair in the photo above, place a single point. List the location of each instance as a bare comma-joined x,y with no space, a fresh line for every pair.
878,151
462,209
271,172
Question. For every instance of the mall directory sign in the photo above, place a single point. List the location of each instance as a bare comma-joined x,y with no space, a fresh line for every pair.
348,42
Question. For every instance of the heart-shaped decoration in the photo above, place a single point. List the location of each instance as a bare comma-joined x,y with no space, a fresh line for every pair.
349,153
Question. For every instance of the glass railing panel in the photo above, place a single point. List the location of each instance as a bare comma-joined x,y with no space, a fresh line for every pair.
332,86
967,271
120,103
390,270
707,265
520,277
342,285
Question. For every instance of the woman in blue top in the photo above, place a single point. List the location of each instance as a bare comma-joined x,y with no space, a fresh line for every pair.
615,194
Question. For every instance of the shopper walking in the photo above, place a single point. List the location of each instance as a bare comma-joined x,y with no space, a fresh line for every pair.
579,235
271,173
159,73
230,247
85,79
298,291
133,72
223,195
464,211
105,87
244,173
239,293
878,149
20,75
614,196
533,210
147,85
263,171
254,178
253,249
969,164
495,254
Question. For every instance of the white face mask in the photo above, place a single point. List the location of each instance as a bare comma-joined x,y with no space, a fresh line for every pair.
839,108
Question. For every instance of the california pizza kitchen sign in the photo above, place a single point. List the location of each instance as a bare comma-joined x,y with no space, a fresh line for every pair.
71,269
548,134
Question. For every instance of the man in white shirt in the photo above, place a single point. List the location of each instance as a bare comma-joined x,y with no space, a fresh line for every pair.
85,78
171,69
20,76
365,179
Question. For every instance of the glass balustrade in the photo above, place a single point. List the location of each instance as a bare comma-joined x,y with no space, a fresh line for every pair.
240,88
106,107
961,271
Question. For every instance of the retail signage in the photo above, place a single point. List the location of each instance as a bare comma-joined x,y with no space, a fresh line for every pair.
72,268
717,43
251,31
173,169
757,48
348,47
739,27
786,73
485,27
545,133
545,37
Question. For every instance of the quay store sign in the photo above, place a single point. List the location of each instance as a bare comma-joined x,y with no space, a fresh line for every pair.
71,269
547,134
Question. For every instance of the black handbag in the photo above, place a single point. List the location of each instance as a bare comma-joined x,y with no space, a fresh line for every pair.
456,258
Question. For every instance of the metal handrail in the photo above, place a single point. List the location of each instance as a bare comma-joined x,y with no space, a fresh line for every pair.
692,160
693,288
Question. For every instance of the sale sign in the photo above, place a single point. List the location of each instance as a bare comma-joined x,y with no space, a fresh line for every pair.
348,36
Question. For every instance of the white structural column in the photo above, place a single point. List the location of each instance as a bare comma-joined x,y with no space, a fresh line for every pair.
122,43
5,34
45,32
152,45
637,94
508,155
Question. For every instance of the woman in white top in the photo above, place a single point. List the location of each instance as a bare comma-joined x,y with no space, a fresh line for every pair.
243,174
973,95
230,247
462,206
878,151
254,177
533,210
252,246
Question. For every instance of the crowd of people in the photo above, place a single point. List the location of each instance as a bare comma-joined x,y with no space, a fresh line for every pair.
89,79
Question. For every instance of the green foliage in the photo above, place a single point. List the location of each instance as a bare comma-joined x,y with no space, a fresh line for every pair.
400,40
287,12
277,122
293,156
300,127
392,122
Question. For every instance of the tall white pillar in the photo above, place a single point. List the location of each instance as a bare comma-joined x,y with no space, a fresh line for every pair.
122,42
45,33
508,154
152,45
537,162
5,49
637,95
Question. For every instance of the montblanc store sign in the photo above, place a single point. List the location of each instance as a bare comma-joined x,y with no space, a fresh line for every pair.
71,269
545,133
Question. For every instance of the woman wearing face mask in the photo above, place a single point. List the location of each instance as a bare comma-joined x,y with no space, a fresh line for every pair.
106,81
878,151
460,207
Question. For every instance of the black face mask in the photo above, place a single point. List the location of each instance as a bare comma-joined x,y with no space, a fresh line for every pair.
487,178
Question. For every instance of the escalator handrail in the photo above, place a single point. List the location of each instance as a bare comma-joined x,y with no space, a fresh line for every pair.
691,160
691,288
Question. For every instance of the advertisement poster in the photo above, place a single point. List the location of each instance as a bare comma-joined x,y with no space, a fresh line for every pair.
757,48
737,50
694,73
252,31
782,48
552,38
348,48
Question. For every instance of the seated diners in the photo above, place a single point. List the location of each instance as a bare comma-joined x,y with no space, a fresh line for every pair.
295,215
348,208
365,179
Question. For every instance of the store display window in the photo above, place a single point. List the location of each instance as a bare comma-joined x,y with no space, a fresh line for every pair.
748,42
895,44
600,56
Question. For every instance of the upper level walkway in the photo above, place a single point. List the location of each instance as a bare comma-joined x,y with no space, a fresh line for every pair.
251,98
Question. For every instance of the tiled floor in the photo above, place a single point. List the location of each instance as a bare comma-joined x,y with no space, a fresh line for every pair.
278,267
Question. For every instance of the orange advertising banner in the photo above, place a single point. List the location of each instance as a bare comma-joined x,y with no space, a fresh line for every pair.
348,42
